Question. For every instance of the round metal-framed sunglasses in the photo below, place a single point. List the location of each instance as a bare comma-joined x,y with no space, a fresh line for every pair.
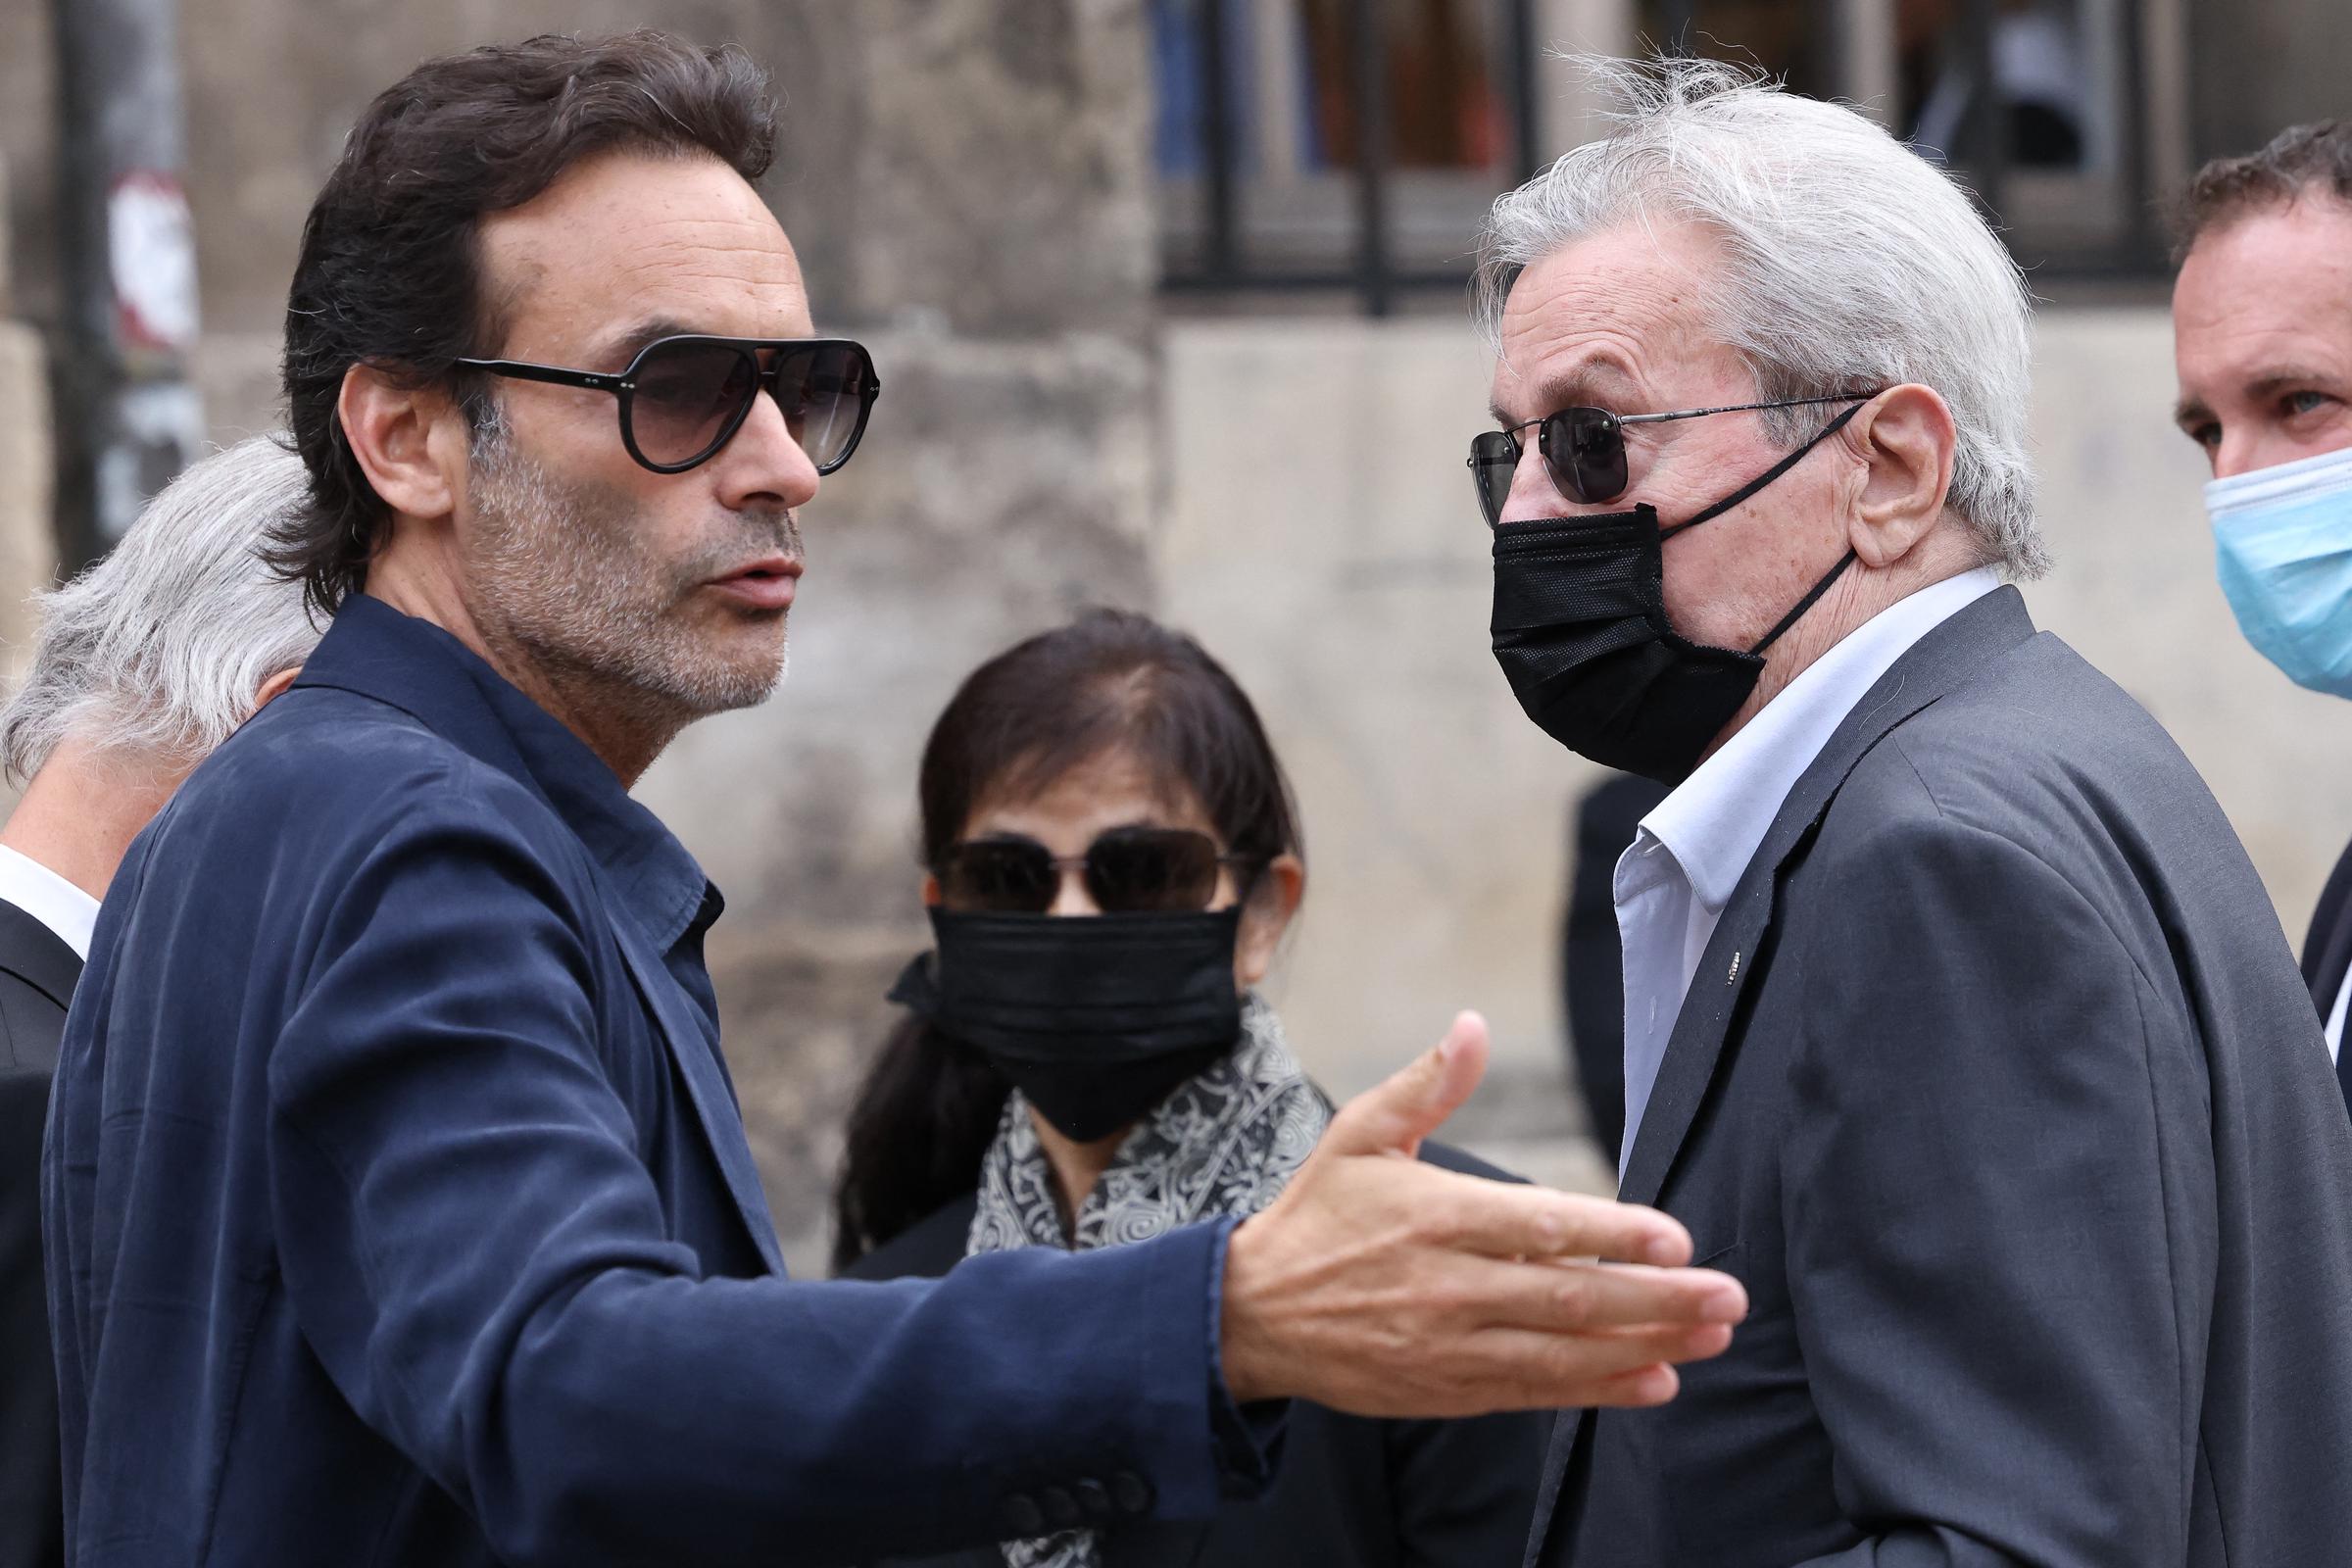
1584,449
683,398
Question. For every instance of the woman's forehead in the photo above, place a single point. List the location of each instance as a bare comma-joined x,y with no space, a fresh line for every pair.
1111,789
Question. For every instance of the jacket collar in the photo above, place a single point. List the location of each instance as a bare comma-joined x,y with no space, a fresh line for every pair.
1939,662
37,955
375,651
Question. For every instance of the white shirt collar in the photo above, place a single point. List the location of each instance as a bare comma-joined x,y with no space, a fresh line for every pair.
49,898
1715,819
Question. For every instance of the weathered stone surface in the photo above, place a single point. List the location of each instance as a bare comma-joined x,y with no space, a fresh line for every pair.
1004,165
28,147
28,544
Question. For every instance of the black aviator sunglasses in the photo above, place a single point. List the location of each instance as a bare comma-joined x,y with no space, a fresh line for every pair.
1584,449
683,398
1129,870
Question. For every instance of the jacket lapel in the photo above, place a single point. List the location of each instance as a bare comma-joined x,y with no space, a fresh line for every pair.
37,955
1937,664
714,1102
1963,644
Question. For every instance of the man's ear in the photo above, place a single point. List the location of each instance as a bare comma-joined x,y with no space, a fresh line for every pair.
275,686
410,441
1906,438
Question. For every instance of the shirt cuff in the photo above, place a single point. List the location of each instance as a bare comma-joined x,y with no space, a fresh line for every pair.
1246,1438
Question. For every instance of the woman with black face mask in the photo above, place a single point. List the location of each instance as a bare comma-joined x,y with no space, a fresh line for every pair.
1112,856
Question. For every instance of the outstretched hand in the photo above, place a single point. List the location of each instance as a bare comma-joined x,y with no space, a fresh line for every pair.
1385,1287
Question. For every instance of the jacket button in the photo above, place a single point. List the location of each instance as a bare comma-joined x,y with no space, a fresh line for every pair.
1022,1516
1062,1509
1131,1493
1094,1499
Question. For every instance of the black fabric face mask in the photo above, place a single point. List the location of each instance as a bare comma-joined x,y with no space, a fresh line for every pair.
1581,632
1095,1019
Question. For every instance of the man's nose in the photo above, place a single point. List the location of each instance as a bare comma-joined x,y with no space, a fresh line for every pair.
1533,494
763,465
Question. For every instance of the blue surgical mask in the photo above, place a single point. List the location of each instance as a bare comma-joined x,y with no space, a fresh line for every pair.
2283,537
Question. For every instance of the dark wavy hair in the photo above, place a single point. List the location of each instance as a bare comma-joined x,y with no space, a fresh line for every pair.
1108,682
390,270
2317,157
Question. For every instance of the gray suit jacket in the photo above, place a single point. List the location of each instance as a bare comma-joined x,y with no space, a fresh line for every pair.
1999,1090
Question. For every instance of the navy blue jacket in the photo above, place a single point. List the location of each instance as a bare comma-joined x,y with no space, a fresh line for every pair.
399,1211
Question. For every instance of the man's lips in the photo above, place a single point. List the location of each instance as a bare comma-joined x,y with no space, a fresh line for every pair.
764,584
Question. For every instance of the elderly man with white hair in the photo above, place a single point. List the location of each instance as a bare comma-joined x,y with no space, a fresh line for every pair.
143,665
1957,1024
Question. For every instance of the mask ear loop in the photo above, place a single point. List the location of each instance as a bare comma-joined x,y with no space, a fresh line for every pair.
1805,603
1756,484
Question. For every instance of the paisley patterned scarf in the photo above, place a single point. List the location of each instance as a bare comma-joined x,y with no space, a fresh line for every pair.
1226,1142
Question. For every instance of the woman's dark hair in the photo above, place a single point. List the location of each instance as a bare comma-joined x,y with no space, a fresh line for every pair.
390,269
1108,682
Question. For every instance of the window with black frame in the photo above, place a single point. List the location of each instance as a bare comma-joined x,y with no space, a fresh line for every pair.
2047,107
1355,145
1334,143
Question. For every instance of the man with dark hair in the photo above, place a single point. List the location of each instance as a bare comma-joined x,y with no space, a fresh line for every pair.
397,1202
2262,323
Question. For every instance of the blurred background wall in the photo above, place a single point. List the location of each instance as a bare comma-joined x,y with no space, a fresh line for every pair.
1167,299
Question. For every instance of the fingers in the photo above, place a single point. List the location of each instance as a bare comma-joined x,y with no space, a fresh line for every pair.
1392,1117
1506,1219
1637,1389
1587,1298
1518,1369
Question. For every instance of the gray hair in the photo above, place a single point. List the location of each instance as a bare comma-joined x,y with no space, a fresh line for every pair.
1849,261
158,649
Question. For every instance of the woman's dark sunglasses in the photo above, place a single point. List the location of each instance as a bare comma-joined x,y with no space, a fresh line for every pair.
683,398
1128,870
1584,449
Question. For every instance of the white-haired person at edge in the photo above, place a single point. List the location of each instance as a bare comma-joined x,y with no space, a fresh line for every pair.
1111,856
143,663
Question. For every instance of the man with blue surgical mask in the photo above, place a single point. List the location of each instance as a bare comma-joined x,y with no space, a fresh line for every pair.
2262,322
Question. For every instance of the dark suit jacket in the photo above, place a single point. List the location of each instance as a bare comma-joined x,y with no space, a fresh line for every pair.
2328,954
1997,1089
38,971
399,1211
1355,1491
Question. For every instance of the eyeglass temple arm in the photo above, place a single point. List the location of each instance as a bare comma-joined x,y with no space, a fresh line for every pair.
560,376
1746,408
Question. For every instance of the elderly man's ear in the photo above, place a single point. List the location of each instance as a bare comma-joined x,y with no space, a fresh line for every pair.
1905,437
275,686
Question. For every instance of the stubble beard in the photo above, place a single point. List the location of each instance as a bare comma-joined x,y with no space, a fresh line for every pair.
562,571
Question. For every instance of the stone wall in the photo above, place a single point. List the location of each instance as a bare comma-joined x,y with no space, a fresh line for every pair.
27,543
